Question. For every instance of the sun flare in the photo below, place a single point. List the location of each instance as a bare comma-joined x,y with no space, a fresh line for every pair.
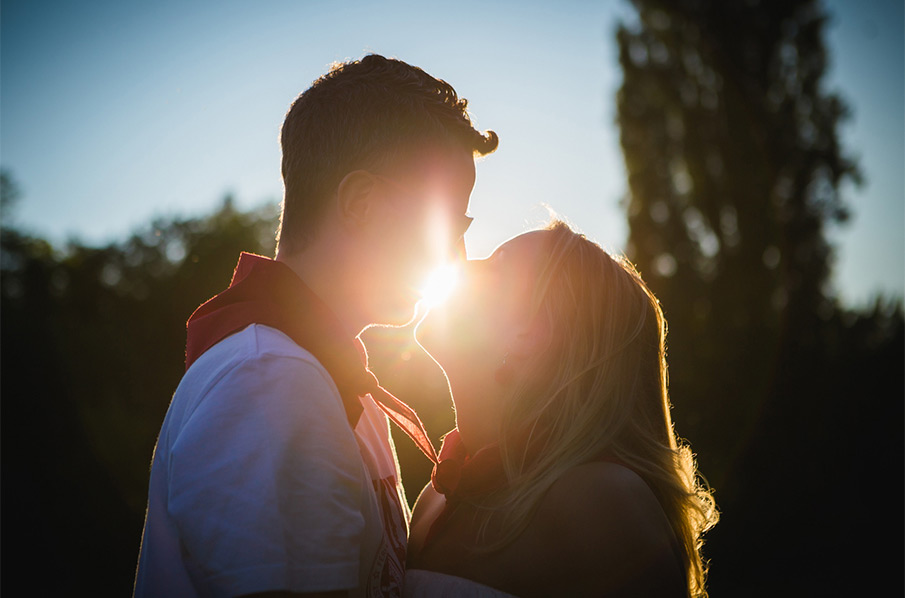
440,285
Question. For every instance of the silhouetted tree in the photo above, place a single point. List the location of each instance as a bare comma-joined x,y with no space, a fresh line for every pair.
734,164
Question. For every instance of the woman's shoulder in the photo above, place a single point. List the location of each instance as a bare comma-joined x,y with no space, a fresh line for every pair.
602,522
599,489
599,502
420,583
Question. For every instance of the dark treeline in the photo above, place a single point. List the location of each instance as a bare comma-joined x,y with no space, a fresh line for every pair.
792,401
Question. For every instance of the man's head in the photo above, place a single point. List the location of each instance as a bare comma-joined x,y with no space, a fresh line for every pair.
384,153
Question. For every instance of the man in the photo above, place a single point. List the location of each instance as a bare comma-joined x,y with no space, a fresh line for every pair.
274,471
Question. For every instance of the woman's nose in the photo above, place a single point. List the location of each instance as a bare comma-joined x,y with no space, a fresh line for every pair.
457,254
471,271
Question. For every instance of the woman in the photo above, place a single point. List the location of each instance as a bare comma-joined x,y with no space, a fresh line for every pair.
563,476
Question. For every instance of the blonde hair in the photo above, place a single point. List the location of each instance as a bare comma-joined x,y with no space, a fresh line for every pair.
601,390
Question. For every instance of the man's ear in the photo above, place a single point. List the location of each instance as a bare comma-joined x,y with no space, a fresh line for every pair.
355,196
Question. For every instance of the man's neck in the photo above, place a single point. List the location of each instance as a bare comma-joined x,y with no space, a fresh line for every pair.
323,272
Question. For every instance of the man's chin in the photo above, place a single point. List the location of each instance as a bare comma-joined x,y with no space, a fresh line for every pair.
426,335
398,316
423,339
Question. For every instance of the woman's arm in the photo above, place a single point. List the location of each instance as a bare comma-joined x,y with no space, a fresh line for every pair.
427,508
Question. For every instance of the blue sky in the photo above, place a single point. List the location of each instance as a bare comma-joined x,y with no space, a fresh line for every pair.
115,112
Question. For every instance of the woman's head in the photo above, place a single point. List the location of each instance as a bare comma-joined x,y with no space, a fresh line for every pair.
483,330
551,337
556,350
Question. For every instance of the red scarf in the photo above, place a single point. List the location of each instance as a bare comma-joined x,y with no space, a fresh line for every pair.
459,476
264,291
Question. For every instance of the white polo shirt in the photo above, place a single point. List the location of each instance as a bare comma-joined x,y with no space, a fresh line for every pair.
258,483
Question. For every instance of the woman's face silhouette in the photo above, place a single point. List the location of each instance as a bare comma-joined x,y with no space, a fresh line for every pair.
482,333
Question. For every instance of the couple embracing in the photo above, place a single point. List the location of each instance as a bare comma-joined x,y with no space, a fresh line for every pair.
275,472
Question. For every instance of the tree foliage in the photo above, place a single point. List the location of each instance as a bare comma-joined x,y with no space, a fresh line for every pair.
734,166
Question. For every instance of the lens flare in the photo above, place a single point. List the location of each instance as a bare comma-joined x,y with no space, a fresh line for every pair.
440,285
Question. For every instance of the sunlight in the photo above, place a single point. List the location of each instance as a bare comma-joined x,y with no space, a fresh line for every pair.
439,285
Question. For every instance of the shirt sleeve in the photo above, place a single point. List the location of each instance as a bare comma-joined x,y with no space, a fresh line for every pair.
265,482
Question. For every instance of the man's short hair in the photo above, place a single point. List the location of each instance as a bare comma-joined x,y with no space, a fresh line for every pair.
363,114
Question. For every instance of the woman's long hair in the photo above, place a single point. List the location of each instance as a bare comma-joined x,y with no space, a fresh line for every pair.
600,389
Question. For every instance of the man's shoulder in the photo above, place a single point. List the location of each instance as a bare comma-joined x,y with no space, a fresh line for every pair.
254,346
256,364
